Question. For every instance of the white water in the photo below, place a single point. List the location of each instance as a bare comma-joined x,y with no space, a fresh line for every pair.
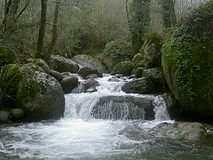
78,135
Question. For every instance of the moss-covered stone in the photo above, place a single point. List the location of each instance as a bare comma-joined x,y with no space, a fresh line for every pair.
137,58
6,57
141,63
125,68
151,50
37,93
188,62
139,72
116,52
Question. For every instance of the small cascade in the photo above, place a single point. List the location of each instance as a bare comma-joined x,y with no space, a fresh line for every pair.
161,113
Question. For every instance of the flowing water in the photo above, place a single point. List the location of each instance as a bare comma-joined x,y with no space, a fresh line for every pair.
78,136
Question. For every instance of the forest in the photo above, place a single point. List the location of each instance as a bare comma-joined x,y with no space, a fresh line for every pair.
106,79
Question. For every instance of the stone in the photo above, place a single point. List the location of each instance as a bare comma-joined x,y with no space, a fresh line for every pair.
57,75
69,83
85,71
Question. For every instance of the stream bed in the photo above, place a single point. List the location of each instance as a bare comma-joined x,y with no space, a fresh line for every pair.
79,136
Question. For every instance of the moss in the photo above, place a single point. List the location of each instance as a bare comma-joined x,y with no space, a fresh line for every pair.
139,72
152,38
116,52
137,58
9,79
6,57
27,91
141,63
188,61
125,68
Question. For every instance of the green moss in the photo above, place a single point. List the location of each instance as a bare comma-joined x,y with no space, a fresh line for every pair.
152,38
6,57
9,79
139,72
137,58
188,61
125,68
141,63
116,52
27,91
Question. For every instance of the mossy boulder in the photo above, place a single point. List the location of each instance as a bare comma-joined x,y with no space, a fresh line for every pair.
151,50
116,52
139,72
6,57
125,68
86,71
62,64
84,60
187,61
137,58
37,93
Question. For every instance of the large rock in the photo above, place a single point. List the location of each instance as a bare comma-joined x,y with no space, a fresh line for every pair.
88,61
37,93
125,68
6,57
68,83
188,63
41,63
141,86
155,75
62,64
184,131
124,107
85,72
151,50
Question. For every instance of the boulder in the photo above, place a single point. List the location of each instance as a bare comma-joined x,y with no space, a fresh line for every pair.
137,58
62,64
141,86
6,57
139,72
41,63
185,131
124,107
88,61
125,68
68,83
85,71
57,75
4,116
17,113
187,61
90,85
154,74
37,93
151,50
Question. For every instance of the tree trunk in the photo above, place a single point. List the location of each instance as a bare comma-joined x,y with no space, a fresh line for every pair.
42,28
168,13
54,32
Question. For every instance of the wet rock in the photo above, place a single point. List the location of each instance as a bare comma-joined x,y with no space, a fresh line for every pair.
88,61
141,86
85,71
92,76
17,113
125,68
62,64
37,93
69,83
57,75
139,72
4,116
124,107
186,131
154,74
41,63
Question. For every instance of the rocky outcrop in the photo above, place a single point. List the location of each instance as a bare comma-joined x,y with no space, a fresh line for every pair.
62,64
188,63
88,61
38,94
124,107
155,75
184,131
